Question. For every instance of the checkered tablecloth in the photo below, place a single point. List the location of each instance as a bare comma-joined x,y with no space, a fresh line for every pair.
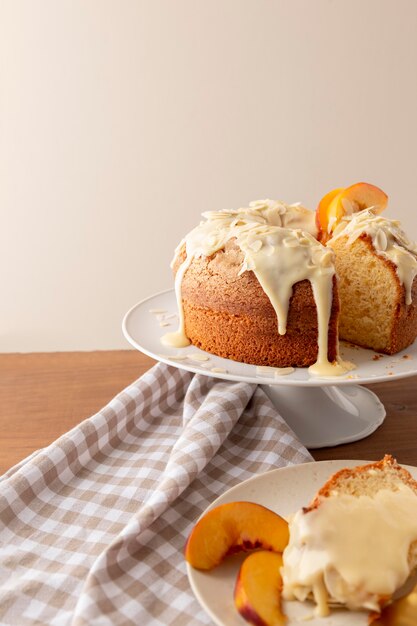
92,528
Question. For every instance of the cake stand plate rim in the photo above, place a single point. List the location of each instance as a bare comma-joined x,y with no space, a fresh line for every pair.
142,330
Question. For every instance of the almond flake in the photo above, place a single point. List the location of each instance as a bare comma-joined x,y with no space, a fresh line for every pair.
290,242
284,371
380,240
330,223
198,357
173,357
256,245
243,269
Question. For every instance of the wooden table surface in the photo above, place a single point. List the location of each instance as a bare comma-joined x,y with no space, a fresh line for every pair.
43,395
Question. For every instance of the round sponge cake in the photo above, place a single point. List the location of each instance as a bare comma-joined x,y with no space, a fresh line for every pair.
228,313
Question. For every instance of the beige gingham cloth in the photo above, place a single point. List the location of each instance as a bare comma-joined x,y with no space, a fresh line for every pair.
92,528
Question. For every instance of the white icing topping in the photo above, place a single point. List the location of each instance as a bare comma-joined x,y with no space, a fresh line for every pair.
354,549
388,240
279,247
272,212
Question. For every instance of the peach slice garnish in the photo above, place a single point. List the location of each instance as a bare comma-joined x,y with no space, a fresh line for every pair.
323,206
341,202
258,589
234,527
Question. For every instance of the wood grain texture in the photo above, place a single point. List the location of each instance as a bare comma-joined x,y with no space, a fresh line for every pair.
43,395
396,436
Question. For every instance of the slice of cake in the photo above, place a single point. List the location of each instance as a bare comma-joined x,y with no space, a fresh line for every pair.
376,265
356,543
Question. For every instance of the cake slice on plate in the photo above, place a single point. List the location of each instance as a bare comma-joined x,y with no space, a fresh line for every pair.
355,545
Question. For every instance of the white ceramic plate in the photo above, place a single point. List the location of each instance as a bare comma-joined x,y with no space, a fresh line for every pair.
143,330
284,491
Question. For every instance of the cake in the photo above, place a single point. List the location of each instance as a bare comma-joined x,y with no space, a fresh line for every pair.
356,543
276,284
255,285
376,265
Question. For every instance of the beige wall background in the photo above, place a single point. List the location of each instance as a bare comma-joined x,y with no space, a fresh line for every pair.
121,121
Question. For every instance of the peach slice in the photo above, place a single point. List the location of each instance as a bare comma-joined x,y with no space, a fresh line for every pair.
340,202
234,527
322,209
258,589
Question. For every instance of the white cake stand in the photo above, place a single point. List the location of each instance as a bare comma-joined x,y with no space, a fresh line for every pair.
321,411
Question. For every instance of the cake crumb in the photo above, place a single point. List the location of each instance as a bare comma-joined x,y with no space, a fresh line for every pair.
353,346
218,370
376,357
406,356
156,311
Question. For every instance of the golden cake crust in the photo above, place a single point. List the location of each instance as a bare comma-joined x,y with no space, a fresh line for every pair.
385,465
231,315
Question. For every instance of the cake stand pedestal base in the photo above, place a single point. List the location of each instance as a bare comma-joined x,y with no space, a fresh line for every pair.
327,416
